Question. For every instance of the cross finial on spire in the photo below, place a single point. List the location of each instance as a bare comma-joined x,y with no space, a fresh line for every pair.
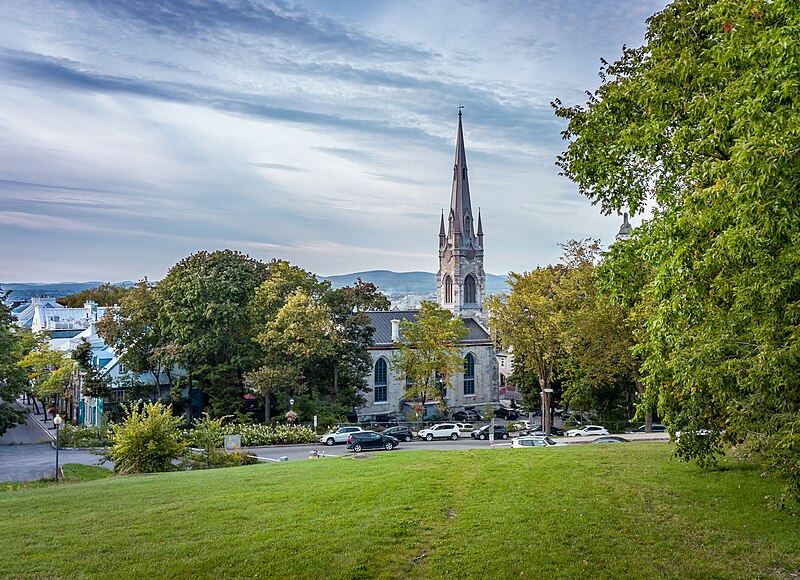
459,110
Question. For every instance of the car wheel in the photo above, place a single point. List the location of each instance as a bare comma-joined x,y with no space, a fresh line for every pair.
329,441
505,435
357,447
389,446
454,436
429,437
408,438
482,437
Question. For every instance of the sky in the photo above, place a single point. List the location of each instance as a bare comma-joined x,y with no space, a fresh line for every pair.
135,133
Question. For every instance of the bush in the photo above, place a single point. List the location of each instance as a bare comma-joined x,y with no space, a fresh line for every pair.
271,434
147,440
83,436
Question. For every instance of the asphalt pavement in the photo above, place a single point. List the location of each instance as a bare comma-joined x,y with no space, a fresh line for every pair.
27,452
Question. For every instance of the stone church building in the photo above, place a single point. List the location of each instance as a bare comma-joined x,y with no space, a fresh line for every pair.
461,288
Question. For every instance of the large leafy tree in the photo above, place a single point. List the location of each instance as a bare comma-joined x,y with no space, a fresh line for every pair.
428,354
702,122
203,313
136,335
13,381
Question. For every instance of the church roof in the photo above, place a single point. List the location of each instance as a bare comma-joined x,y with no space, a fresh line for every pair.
382,323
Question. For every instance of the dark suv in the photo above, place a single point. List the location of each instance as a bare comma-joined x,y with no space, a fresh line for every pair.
466,415
371,440
506,413
483,433
401,433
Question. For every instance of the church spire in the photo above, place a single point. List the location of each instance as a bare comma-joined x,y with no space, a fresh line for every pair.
461,281
460,219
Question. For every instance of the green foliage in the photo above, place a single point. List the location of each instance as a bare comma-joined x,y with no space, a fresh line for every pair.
48,370
255,435
428,354
135,333
94,383
703,121
13,381
203,311
208,434
147,440
104,295
83,436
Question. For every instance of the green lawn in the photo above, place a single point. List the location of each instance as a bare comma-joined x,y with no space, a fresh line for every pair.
585,511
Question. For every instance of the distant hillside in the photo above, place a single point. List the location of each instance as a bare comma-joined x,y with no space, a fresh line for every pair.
396,285
407,282
28,290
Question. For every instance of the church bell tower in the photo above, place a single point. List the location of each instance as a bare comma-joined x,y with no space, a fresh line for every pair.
461,281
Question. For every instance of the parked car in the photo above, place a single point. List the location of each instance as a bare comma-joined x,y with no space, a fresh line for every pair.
340,435
400,433
656,428
371,440
588,430
610,439
440,431
537,430
466,415
506,413
464,427
483,433
536,441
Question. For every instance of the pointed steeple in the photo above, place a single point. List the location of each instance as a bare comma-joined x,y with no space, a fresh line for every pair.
442,234
460,219
461,281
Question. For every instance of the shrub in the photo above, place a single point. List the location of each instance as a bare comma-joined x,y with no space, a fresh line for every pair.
83,436
147,440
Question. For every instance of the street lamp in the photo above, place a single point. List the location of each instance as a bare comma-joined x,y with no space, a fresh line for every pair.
291,404
57,420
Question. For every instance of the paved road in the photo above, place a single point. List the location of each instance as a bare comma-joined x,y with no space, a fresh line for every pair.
31,462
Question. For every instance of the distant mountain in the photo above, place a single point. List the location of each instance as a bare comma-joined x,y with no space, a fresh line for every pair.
28,290
396,285
407,282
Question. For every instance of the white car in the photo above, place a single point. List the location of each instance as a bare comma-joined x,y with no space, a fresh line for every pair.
588,430
464,427
339,436
441,431
535,441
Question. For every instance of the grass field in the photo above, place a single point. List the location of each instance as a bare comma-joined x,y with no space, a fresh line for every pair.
585,511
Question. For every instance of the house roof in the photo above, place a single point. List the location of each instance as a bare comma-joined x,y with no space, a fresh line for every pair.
382,323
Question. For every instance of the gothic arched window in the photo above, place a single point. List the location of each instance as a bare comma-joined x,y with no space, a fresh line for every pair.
469,374
448,290
381,380
469,290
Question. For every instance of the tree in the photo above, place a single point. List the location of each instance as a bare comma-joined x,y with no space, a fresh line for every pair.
428,353
204,314
13,381
137,336
350,361
702,121
94,383
48,370
104,295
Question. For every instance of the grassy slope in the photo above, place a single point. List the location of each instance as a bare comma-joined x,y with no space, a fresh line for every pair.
583,511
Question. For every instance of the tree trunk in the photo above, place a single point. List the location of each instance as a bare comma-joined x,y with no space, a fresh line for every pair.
648,416
266,408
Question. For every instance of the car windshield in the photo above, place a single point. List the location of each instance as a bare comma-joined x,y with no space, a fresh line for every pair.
549,441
